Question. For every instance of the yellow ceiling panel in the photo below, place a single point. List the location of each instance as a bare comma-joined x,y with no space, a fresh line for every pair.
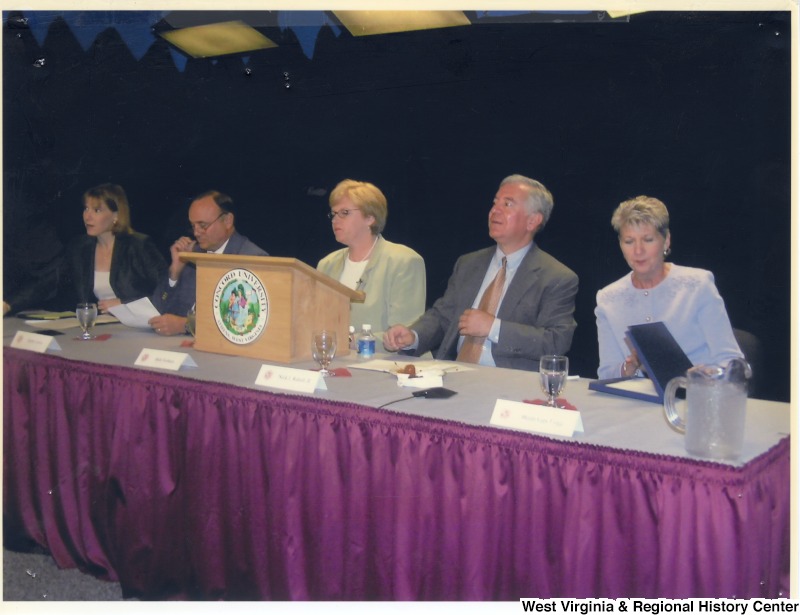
218,39
365,23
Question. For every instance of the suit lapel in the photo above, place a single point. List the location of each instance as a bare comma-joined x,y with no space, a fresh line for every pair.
374,259
87,275
474,278
521,282
468,289
337,263
234,244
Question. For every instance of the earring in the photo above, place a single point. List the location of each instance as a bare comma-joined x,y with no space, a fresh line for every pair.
667,251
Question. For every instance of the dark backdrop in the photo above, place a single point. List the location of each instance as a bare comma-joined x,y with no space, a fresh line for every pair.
693,108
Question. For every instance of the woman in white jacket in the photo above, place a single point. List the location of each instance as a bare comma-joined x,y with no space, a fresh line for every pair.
685,299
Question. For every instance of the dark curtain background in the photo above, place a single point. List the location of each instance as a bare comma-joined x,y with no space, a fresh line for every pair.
693,108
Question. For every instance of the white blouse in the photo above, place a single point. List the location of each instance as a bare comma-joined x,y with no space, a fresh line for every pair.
102,286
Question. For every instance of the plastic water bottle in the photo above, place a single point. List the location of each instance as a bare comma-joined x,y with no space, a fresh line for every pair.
351,338
366,343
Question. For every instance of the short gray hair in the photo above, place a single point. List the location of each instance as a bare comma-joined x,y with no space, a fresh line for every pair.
539,198
641,210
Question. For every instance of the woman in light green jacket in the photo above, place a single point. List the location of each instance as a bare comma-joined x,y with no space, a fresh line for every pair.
391,275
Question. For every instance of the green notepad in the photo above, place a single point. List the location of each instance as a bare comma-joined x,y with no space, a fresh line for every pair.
44,315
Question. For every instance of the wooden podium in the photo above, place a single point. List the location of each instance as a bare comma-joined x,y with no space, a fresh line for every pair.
266,307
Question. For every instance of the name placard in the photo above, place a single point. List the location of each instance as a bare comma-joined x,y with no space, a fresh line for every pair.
533,417
164,359
420,382
35,342
290,379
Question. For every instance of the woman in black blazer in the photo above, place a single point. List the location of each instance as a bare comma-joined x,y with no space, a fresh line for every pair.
112,263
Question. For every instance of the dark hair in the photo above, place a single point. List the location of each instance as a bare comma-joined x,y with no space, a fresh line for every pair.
223,201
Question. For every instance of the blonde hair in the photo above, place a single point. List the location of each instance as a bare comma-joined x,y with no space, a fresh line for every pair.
367,197
642,210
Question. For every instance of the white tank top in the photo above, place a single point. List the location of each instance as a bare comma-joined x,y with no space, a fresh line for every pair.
351,274
102,286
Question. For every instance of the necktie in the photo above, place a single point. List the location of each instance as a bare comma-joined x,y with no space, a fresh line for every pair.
471,348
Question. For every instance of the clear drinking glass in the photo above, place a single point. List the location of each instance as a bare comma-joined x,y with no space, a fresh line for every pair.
191,319
323,349
553,371
87,315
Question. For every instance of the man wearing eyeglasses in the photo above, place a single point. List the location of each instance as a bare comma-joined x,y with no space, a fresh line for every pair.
211,221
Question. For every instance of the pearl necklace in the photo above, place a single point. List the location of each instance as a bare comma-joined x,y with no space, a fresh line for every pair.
366,258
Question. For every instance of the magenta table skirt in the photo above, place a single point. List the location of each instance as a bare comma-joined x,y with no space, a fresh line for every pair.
185,489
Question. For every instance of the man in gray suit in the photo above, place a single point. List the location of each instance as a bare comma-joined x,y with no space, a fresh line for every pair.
212,221
536,293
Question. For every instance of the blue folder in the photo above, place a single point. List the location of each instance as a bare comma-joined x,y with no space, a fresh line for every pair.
662,360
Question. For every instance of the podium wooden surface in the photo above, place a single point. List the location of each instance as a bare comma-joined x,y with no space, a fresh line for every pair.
300,300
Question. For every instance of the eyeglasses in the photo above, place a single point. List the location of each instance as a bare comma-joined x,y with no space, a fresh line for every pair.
204,226
342,213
